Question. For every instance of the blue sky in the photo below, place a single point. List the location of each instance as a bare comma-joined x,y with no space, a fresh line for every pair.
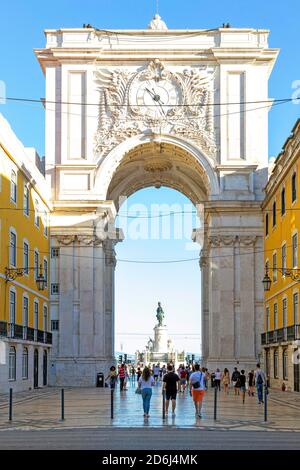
140,286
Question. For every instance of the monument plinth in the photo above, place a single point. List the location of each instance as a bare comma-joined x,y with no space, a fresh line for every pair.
161,349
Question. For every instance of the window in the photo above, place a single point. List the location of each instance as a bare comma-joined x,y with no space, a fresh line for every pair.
284,312
295,250
25,363
36,315
54,325
268,318
12,307
285,365
295,308
275,311
46,271
45,220
294,187
26,200
25,311
283,258
274,267
36,264
45,318
54,288
36,213
267,225
276,364
274,213
283,201
12,364
54,252
25,257
13,186
13,249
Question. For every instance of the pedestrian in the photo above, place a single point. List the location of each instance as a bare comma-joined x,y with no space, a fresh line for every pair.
234,378
138,373
197,389
218,379
251,383
242,383
122,375
225,381
183,375
212,379
171,383
260,381
133,374
145,383
112,377
155,372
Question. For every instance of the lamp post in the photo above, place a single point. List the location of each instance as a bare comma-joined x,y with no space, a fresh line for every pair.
12,273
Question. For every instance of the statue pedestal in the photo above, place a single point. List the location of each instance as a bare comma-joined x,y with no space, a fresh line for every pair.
160,339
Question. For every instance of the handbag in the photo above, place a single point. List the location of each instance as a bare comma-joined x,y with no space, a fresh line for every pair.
138,391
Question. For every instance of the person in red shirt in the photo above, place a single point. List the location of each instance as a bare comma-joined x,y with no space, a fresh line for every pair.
122,375
183,377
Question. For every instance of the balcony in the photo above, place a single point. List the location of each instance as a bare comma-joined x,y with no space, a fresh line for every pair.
15,331
290,333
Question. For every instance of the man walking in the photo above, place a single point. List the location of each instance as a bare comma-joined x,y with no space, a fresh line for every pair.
235,376
260,381
197,388
171,386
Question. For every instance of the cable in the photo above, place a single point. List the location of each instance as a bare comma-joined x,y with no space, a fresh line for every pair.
44,101
248,250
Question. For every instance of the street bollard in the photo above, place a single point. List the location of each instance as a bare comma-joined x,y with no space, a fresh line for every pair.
62,404
164,404
10,403
265,403
112,403
215,403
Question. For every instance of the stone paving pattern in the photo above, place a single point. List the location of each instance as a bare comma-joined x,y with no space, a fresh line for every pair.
90,408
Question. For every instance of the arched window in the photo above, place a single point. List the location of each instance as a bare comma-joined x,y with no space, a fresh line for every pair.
12,363
276,364
285,365
25,363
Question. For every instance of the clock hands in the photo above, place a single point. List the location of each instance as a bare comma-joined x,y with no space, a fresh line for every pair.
156,98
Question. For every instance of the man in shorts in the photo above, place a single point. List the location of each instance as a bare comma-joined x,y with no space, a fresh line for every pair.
197,388
171,383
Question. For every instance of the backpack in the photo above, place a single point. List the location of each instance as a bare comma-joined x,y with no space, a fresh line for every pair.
259,380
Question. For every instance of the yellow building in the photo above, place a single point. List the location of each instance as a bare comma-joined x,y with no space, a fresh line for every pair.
25,338
281,209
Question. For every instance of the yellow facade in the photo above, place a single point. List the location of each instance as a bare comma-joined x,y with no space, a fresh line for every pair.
13,217
25,338
281,210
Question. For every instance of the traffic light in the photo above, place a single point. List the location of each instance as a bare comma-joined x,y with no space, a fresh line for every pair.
125,358
120,358
193,358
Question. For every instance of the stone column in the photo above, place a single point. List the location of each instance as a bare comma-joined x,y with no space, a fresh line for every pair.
204,266
110,265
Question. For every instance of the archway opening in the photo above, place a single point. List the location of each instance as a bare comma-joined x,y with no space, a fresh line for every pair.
158,262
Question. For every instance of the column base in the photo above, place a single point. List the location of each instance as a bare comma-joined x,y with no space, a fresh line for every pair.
78,372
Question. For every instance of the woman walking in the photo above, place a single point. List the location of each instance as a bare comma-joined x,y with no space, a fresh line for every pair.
242,380
251,383
226,381
146,381
112,377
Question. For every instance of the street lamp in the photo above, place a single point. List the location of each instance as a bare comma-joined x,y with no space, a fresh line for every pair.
267,281
293,273
12,273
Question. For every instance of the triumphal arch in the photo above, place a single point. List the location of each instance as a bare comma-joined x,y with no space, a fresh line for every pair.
128,109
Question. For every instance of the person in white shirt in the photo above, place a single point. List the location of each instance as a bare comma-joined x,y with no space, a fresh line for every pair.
197,388
145,382
217,380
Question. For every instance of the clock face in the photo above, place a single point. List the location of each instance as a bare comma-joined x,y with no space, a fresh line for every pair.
156,98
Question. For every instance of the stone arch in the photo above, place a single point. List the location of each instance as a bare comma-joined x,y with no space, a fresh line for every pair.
203,165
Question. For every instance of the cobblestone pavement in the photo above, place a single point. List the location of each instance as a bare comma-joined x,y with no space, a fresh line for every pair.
89,408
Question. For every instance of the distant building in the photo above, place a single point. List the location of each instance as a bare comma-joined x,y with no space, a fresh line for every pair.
281,210
25,338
